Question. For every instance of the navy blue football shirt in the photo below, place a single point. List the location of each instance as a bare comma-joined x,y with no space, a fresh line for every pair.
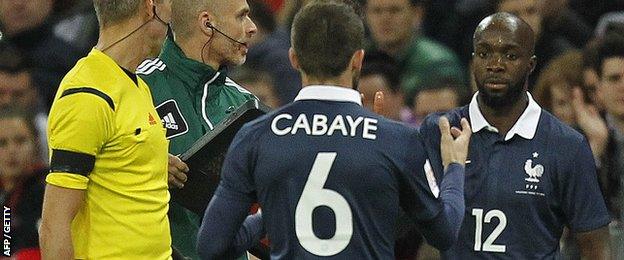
523,188
330,177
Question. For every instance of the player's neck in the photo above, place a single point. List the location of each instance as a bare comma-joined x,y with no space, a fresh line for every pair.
119,51
345,80
504,118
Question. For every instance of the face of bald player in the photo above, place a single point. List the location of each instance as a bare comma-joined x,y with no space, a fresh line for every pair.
501,63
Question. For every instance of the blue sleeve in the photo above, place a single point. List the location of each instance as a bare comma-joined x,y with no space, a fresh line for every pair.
430,133
221,235
442,231
440,218
237,171
583,204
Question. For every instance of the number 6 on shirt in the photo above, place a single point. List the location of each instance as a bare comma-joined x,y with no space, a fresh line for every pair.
313,196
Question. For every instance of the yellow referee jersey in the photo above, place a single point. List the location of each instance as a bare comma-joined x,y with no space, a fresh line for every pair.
105,137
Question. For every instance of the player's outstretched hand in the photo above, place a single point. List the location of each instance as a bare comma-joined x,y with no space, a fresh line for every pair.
378,103
177,172
454,141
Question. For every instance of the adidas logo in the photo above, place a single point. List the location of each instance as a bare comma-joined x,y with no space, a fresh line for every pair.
151,119
169,122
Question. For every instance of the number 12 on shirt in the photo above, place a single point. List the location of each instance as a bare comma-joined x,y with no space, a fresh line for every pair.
488,245
313,196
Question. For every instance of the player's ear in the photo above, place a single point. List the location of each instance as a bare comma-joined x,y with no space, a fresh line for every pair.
292,56
357,59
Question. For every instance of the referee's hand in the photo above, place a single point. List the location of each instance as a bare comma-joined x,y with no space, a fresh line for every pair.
177,172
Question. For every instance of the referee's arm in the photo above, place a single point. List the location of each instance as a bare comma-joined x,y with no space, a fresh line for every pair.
60,206
79,124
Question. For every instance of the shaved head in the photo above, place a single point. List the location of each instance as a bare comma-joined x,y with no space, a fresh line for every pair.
509,23
185,14
503,59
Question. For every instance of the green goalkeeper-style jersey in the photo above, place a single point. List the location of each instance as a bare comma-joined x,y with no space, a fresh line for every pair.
191,98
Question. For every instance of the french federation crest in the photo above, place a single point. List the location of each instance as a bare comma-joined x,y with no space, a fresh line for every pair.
534,171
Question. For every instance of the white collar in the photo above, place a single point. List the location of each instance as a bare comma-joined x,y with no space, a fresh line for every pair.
526,126
332,93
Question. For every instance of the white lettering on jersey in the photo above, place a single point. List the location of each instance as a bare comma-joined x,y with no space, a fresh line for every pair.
278,131
320,125
337,124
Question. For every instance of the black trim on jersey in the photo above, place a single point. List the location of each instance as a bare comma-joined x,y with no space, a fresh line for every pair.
132,76
71,162
93,91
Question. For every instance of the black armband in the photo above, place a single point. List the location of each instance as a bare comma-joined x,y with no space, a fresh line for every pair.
71,162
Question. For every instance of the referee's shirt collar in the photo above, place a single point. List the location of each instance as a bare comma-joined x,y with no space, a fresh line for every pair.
330,93
526,126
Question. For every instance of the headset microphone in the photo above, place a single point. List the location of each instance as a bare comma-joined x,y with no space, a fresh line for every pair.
222,33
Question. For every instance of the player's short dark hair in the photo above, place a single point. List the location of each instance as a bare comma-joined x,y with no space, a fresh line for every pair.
325,35
611,47
379,63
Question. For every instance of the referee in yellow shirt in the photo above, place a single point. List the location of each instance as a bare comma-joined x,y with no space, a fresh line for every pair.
107,195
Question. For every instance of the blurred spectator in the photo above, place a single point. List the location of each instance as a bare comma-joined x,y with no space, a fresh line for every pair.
551,40
439,95
610,23
19,91
590,76
21,182
27,26
611,89
592,10
269,52
395,30
380,73
555,84
560,19
76,23
259,83
274,5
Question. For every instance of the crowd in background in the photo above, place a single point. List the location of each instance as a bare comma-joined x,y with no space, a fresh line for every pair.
417,53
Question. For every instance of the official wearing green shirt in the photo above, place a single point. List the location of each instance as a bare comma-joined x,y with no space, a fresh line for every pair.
190,88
